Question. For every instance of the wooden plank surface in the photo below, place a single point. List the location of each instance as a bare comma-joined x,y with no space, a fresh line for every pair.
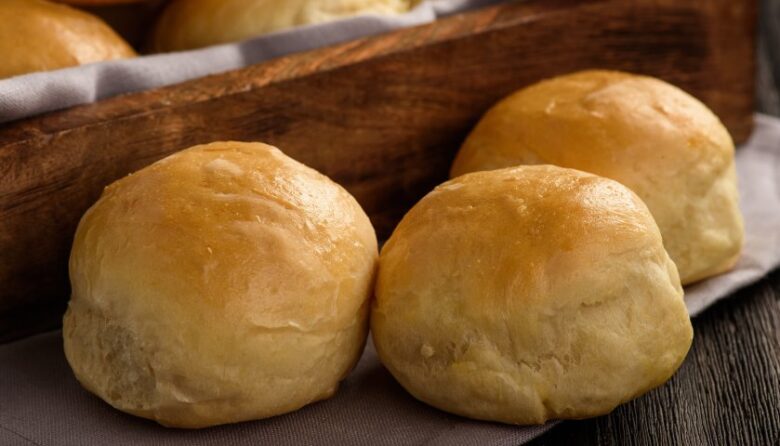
382,116
768,97
727,391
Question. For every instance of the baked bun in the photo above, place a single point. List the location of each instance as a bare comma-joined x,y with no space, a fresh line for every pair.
224,283
651,136
188,24
526,294
37,35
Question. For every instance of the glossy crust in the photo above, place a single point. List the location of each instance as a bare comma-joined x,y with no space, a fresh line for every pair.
188,24
37,35
651,136
224,283
527,294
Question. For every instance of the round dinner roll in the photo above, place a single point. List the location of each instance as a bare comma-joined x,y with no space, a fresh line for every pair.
37,35
659,141
188,24
224,283
529,293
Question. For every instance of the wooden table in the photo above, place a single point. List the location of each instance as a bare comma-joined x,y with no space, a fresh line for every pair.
727,391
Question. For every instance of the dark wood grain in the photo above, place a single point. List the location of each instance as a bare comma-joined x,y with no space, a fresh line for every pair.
382,116
727,391
768,98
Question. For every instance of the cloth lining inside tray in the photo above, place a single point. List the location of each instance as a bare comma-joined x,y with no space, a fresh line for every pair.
36,93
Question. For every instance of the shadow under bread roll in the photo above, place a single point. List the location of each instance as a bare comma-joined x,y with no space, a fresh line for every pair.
131,19
527,294
189,24
656,139
224,283
37,35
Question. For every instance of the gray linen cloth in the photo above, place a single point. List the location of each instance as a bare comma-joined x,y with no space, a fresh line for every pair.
36,93
42,404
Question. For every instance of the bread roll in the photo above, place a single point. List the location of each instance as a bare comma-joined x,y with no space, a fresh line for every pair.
526,294
37,35
188,24
224,283
651,136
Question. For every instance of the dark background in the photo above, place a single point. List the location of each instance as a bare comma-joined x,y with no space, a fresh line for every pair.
768,76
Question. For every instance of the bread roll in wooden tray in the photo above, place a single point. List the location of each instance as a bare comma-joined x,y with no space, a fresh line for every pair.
383,116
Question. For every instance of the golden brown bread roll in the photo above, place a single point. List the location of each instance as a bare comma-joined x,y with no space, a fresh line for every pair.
651,136
37,35
188,24
529,293
224,283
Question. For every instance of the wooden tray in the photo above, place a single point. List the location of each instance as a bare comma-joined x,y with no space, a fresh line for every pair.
383,116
